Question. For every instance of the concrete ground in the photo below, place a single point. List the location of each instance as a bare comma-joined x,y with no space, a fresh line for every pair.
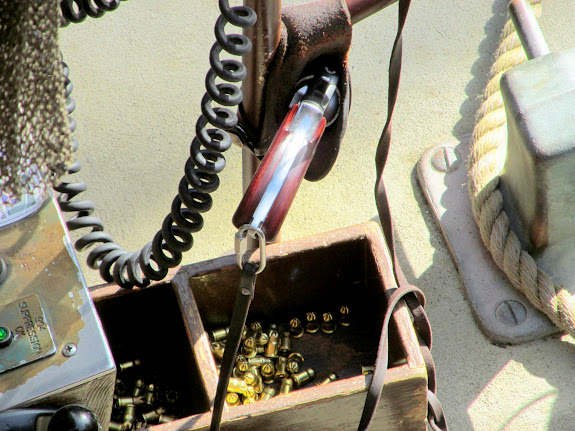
138,75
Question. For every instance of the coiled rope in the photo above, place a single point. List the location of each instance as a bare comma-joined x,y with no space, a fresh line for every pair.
486,160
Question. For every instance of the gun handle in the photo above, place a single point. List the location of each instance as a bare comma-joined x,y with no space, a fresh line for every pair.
275,183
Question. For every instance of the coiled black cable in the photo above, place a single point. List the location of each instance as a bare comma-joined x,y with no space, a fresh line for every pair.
200,178
76,11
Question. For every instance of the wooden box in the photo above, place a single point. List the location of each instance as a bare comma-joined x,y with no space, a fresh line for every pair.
350,266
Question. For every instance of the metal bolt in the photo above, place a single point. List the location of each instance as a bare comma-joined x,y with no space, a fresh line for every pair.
511,313
445,159
295,327
69,349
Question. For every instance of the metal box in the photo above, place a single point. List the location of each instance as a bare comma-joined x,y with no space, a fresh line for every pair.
58,354
539,171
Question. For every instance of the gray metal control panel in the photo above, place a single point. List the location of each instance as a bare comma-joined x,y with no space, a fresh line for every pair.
52,347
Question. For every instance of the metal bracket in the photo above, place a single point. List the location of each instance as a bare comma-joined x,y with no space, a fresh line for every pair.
502,313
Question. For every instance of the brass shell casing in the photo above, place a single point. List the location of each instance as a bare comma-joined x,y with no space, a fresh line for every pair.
138,387
331,378
272,348
285,344
303,377
311,325
268,373
249,347
218,349
328,325
296,328
344,316
220,334
281,371
233,399
286,386
268,393
237,385
294,363
127,365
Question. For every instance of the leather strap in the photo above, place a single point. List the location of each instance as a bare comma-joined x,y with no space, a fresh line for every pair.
436,418
378,379
239,316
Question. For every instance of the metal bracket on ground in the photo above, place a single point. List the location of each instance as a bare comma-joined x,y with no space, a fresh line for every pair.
503,314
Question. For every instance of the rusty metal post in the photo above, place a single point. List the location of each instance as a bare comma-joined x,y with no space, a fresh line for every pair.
361,9
265,37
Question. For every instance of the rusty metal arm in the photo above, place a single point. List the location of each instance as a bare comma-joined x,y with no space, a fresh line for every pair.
361,9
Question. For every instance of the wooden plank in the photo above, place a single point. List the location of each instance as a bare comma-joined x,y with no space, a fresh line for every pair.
197,336
320,409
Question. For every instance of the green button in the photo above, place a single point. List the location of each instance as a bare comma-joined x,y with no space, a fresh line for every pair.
5,337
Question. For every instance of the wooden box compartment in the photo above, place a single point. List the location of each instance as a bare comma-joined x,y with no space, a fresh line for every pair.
350,266
147,325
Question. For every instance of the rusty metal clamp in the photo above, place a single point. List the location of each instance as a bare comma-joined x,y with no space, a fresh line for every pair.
241,245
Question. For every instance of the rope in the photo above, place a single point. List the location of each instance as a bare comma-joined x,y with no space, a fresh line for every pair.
489,142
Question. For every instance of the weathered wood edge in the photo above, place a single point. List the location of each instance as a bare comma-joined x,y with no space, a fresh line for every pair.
305,398
401,315
197,336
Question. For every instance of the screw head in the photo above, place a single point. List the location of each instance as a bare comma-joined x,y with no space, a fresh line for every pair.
511,313
69,349
445,159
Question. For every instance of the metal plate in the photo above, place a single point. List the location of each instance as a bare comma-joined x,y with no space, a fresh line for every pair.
502,312
32,334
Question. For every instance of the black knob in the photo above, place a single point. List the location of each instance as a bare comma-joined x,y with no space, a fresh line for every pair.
73,418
